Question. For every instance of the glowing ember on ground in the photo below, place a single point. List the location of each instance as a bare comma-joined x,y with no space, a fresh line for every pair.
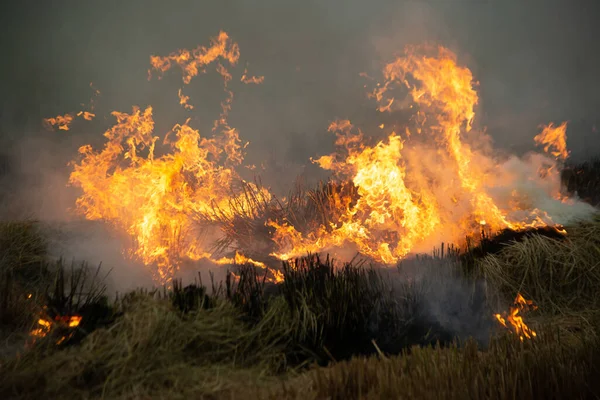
514,321
45,325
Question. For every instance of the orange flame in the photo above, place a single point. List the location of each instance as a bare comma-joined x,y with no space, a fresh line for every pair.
193,62
47,324
436,182
251,79
514,321
154,198
88,116
412,197
554,137
183,100
62,122
240,259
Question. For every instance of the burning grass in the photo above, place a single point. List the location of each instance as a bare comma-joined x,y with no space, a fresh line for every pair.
155,351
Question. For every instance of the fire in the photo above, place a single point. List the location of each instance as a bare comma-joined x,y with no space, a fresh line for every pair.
437,180
554,137
62,122
45,325
183,101
251,79
514,321
194,62
88,116
434,185
240,259
155,197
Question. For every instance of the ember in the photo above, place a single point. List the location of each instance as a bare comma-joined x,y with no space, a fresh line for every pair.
46,324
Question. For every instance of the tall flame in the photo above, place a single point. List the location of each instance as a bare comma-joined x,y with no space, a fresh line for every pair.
153,197
440,183
554,140
437,180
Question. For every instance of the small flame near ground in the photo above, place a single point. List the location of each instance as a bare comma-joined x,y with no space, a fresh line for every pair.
47,324
514,321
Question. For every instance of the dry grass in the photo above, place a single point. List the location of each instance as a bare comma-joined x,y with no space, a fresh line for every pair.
508,369
560,275
243,224
153,349
155,352
250,345
22,271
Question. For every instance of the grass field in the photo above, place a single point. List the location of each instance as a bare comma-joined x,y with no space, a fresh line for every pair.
425,330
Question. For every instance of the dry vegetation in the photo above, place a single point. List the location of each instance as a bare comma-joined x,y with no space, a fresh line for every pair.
325,332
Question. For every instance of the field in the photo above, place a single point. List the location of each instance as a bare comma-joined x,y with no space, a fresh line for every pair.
425,329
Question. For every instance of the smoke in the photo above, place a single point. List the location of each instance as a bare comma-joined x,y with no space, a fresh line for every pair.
444,300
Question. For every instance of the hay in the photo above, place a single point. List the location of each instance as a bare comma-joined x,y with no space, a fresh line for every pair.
508,369
153,349
23,273
242,342
558,274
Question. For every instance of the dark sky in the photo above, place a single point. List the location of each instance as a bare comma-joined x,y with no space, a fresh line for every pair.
537,61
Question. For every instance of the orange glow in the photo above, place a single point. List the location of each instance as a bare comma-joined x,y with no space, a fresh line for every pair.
514,321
